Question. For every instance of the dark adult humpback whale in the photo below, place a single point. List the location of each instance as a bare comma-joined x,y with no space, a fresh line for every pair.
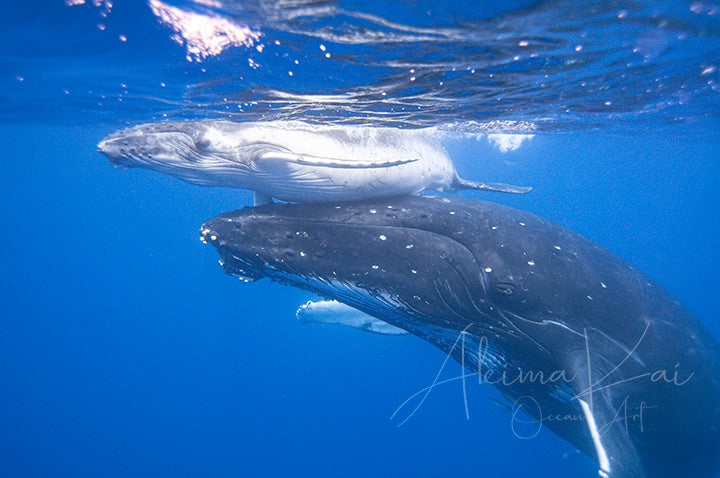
293,161
549,317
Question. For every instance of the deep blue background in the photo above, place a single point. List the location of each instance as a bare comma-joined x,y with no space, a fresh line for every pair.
125,350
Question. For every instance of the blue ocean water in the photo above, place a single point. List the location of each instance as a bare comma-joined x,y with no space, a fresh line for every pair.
125,350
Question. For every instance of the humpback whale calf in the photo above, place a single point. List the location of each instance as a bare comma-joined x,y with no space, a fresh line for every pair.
550,318
293,161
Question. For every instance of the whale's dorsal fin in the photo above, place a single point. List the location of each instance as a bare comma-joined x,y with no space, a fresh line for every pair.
340,163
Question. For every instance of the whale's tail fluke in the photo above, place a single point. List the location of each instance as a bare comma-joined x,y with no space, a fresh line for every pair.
497,187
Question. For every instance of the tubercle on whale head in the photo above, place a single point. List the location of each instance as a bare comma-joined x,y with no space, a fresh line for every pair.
137,149
190,149
245,269
143,145
251,246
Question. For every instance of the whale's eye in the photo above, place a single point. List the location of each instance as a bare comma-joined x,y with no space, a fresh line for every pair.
203,144
505,288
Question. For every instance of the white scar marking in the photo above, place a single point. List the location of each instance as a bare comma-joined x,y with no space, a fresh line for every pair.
603,460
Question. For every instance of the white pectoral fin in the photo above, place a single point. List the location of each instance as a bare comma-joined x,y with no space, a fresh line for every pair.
339,163
334,312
